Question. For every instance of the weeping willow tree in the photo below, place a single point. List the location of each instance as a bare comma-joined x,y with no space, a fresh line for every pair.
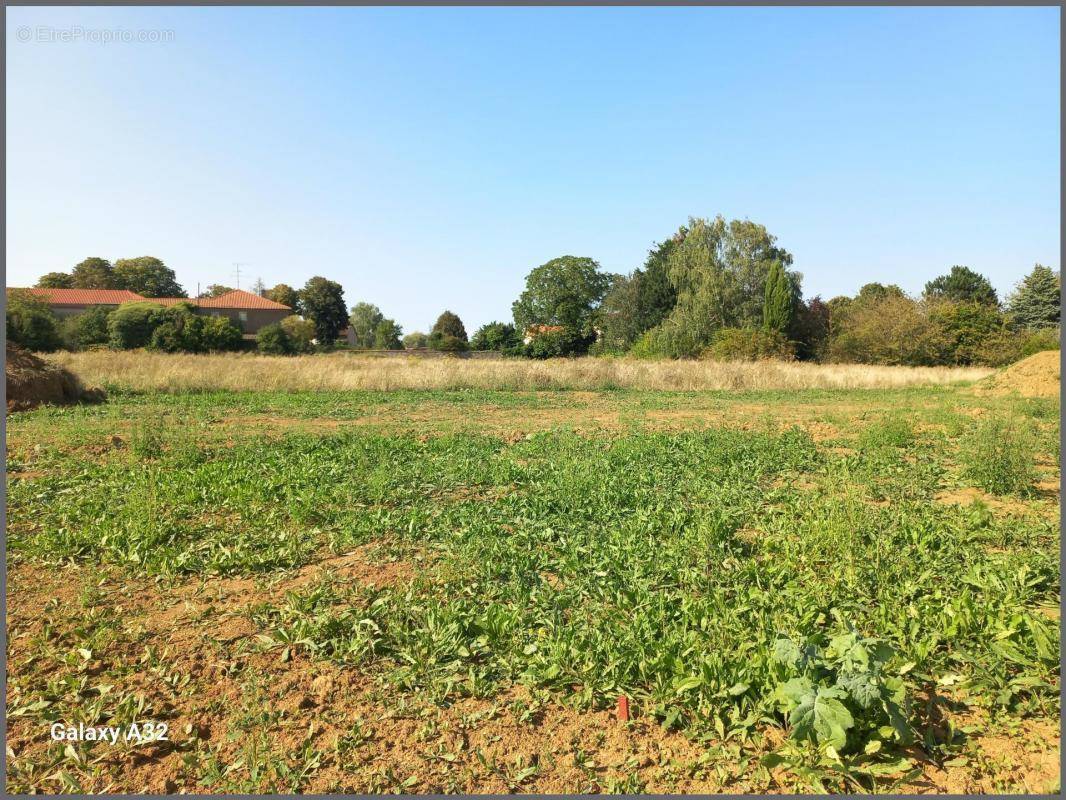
719,271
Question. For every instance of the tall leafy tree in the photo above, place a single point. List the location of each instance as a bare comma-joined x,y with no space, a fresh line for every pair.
448,333
962,285
387,335
619,317
655,294
216,290
286,295
1036,302
95,273
564,292
777,300
148,276
322,301
56,280
495,336
364,319
719,270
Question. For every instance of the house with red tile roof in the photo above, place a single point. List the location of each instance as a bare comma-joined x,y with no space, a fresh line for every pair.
246,310
533,331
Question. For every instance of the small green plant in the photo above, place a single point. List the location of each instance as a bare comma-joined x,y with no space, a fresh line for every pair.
841,690
998,455
891,432
146,440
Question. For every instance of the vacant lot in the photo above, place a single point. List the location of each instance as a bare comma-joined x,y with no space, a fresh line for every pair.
449,590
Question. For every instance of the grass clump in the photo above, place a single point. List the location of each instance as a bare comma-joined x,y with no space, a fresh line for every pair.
998,455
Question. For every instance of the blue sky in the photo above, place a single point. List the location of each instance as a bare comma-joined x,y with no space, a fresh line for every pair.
429,158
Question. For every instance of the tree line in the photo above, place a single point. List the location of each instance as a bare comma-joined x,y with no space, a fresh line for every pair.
713,289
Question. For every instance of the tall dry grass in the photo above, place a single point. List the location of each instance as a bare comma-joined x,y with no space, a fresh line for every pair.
139,370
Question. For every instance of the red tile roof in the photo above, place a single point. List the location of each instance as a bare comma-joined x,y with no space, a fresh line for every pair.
171,301
238,298
84,297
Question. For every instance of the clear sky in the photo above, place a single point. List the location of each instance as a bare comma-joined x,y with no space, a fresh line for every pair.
429,158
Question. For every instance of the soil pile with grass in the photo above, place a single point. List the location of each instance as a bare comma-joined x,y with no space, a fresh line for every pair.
1036,376
32,381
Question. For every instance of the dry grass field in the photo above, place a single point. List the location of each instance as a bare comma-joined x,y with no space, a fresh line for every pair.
142,371
338,574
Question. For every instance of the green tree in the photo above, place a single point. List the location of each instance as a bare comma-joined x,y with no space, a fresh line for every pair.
1036,301
31,323
884,328
364,319
566,292
131,325
778,300
216,290
56,280
286,295
273,341
619,318
448,324
301,333
415,340
719,270
95,273
810,329
147,276
322,301
497,336
656,295
387,335
86,329
962,285
967,329
448,333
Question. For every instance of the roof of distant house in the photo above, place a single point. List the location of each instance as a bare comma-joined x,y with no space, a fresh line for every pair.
543,329
84,297
238,298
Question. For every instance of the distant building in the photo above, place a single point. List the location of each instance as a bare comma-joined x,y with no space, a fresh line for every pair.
533,331
247,311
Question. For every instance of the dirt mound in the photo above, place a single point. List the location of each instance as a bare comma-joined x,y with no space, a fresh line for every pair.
32,381
1036,376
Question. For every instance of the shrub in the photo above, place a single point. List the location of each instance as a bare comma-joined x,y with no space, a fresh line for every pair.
887,328
274,341
749,344
671,339
968,330
1037,340
181,331
891,432
998,455
415,340
554,344
86,329
495,336
447,343
132,325
31,323
219,333
301,333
